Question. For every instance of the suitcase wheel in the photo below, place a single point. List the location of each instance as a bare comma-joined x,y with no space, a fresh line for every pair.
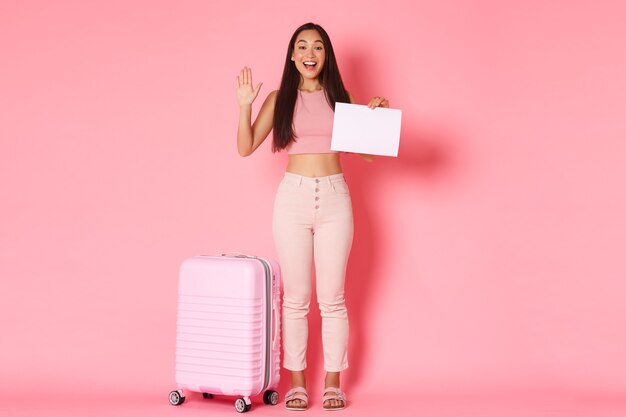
176,398
270,397
241,406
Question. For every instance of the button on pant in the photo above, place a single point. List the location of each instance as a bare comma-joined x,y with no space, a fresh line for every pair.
313,225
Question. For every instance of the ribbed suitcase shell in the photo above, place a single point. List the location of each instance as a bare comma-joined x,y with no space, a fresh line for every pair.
228,325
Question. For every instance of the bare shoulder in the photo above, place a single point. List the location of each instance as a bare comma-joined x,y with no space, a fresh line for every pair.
272,96
269,103
270,100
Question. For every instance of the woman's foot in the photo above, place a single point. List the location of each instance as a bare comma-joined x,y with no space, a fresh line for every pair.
334,398
297,398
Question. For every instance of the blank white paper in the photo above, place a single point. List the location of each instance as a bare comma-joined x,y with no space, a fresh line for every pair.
359,129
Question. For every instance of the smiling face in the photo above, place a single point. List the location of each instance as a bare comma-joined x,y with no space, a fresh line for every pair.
309,54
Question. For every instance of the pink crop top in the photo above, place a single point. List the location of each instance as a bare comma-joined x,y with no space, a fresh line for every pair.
312,124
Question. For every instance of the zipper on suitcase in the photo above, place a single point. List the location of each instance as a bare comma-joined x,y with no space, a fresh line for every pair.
268,339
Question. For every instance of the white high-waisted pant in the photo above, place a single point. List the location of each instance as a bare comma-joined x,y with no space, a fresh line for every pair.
313,223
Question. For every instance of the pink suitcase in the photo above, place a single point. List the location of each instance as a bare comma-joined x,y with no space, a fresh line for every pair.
227,329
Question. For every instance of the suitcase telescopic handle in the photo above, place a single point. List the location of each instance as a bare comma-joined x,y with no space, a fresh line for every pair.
237,255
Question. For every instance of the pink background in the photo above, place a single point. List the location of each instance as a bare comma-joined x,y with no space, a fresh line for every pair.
488,268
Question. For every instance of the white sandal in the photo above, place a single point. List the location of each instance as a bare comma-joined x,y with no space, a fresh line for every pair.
297,393
332,393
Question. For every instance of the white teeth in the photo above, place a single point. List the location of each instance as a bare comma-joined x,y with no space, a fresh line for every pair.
309,63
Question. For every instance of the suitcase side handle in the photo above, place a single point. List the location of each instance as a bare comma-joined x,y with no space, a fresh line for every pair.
275,310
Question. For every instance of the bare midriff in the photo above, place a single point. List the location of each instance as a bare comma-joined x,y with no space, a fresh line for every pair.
314,164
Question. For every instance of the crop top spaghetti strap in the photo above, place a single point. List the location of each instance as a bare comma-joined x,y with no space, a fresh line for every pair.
312,124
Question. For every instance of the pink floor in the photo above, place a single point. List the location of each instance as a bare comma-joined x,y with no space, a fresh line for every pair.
70,404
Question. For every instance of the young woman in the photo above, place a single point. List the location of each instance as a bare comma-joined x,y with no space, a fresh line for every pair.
312,220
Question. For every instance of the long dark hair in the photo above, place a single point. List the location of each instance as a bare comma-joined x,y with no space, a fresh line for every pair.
288,92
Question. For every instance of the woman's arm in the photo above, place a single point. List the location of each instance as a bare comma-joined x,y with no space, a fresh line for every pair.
250,136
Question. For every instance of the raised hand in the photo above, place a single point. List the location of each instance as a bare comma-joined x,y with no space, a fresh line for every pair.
246,92
378,102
